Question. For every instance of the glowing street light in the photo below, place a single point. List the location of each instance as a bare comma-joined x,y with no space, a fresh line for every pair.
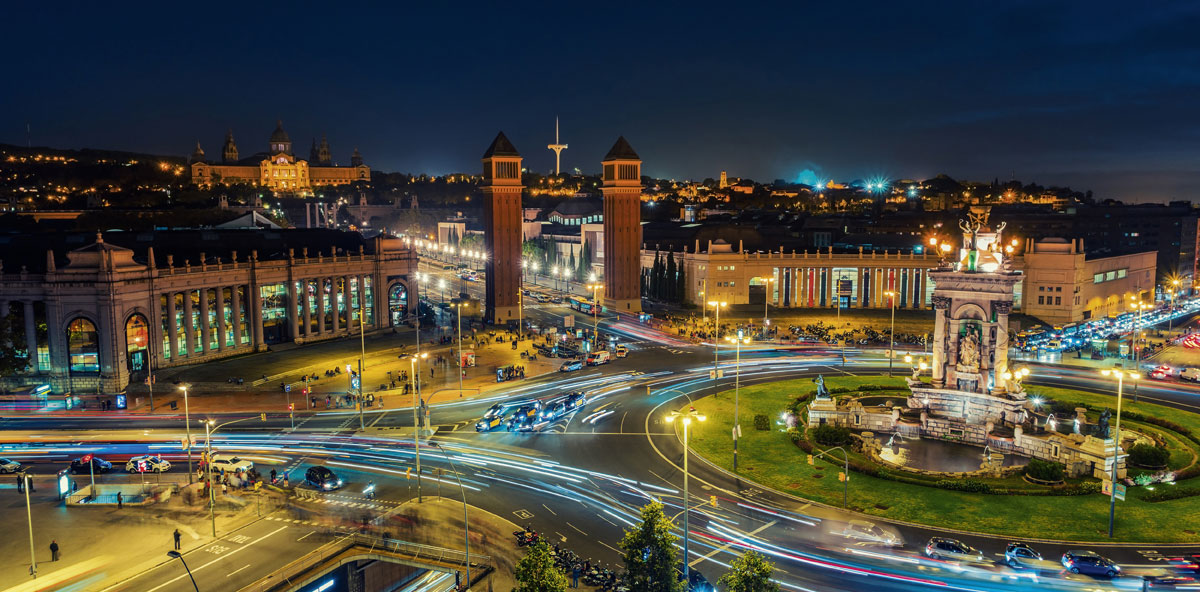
1120,375
686,418
892,348
717,337
737,377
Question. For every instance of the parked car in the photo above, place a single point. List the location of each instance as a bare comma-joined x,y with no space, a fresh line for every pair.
621,351
1091,563
322,478
147,464
863,531
571,366
99,465
943,548
230,464
9,465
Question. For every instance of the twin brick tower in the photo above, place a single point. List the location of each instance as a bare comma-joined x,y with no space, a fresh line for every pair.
502,220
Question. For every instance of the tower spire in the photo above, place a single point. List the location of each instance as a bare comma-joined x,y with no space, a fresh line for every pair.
557,147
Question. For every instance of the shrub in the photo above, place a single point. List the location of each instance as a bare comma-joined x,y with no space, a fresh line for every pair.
1044,470
1163,494
831,435
762,422
968,485
1147,455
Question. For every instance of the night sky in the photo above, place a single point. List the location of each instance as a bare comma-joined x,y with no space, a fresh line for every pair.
1099,95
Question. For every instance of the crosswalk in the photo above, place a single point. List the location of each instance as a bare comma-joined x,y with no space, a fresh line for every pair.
347,501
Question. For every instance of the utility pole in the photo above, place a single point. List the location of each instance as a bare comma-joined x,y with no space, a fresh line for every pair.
29,514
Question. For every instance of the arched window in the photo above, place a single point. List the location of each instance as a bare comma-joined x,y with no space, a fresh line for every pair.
83,346
137,343
398,304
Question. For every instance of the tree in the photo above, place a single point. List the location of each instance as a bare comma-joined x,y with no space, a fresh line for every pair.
585,260
655,277
669,283
749,573
536,572
12,358
649,553
572,270
681,283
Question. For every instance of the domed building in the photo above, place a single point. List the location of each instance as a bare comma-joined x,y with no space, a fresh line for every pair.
278,168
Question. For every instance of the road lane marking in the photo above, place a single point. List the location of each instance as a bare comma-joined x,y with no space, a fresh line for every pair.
231,553
549,510
230,574
310,533
577,529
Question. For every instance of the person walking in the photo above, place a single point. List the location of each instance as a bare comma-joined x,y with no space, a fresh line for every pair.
120,501
53,550
177,537
20,482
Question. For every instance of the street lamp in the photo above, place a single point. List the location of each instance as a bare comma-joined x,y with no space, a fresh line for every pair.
595,288
1120,375
416,385
686,418
442,285
187,422
766,301
737,377
466,528
209,430
717,337
179,556
27,482
892,333
458,306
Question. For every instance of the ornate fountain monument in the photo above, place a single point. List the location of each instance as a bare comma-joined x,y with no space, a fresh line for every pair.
975,398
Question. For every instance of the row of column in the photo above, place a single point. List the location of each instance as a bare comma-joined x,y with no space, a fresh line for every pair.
252,315
341,319
808,287
30,330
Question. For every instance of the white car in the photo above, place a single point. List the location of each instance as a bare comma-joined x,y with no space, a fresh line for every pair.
871,534
9,466
230,464
147,464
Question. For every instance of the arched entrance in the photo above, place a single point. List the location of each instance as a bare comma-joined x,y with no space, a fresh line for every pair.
398,304
83,346
137,343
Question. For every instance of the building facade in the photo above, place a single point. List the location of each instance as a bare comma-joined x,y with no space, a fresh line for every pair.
1065,285
112,314
502,228
622,189
278,169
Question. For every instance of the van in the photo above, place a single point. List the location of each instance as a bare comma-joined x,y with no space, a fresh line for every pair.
1192,374
600,357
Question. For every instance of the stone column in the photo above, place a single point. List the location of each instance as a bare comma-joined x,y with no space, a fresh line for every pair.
235,294
306,304
333,305
941,304
829,288
293,325
1001,310
189,327
172,326
346,301
362,303
205,331
31,337
785,290
321,299
222,328
254,315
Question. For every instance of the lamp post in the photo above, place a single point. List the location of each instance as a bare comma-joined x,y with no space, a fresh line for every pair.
466,528
442,286
1137,339
458,306
413,369
737,377
892,332
1171,313
179,556
595,288
420,281
716,337
28,480
1120,375
686,417
187,422
362,359
766,301
845,470
212,516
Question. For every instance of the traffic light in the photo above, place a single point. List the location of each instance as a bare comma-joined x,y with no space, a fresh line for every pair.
810,459
263,415
408,473
291,406
841,476
712,499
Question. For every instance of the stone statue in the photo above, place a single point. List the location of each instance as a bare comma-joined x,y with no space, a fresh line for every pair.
822,391
968,352
1102,424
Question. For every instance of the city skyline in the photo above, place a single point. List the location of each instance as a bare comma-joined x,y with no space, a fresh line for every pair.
1099,93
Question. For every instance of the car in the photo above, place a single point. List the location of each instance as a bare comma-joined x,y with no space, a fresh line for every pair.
557,299
523,418
1090,563
943,548
1169,582
1160,373
571,366
496,416
542,298
9,465
1021,555
147,464
99,465
322,478
562,405
1192,374
447,266
621,351
869,533
230,464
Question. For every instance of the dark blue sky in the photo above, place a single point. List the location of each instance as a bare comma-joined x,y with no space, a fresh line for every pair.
1100,95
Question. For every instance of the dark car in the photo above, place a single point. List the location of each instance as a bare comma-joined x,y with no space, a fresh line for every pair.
523,418
322,478
1091,563
99,465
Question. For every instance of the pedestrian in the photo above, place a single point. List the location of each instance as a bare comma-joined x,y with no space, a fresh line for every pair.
53,550
177,537
20,482
575,576
285,481
120,501
273,476
380,399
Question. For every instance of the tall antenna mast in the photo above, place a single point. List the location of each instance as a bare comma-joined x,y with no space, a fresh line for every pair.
557,147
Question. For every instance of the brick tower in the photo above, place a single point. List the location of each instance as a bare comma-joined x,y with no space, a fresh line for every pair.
622,228
502,229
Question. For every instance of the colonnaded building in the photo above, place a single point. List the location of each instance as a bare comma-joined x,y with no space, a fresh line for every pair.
278,168
98,311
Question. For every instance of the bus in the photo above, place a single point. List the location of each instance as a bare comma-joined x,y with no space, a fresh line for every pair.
580,304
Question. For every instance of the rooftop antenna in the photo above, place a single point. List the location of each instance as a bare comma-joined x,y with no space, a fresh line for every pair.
557,147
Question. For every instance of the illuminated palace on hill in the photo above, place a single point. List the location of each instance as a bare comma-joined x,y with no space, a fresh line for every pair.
277,168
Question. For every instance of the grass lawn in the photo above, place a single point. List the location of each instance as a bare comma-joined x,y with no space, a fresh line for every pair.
769,457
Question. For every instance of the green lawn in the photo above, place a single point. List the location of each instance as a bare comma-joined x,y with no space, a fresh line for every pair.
770,458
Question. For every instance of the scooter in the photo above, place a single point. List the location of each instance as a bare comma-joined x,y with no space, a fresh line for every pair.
369,490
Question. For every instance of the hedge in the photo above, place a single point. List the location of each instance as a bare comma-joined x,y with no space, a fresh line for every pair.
762,422
1149,456
1044,470
1167,493
831,435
